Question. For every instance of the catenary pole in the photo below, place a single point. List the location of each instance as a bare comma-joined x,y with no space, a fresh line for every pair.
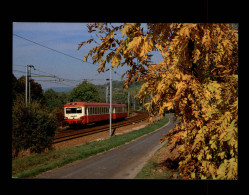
110,102
128,103
29,76
26,86
29,80
106,95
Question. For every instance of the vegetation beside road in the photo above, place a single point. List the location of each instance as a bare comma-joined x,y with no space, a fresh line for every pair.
157,167
33,165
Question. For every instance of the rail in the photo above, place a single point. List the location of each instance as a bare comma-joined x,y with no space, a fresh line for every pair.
69,134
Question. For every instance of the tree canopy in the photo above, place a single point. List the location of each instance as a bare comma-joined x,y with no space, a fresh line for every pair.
198,77
85,92
18,88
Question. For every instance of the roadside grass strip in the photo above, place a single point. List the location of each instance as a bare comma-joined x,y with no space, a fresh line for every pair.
154,170
33,165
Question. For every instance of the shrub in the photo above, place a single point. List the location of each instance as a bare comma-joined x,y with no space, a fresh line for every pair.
33,127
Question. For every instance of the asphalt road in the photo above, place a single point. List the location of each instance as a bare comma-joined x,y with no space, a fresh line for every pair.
123,162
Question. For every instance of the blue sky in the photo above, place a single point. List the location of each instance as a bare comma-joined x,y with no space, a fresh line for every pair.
65,38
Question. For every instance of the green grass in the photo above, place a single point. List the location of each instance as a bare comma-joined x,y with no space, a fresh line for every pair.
152,170
33,165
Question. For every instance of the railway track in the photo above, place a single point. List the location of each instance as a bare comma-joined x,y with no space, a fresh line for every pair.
69,134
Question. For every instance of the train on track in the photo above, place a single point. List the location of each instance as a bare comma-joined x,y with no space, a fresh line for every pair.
80,113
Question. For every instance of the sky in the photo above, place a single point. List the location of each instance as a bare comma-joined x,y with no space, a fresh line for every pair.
62,37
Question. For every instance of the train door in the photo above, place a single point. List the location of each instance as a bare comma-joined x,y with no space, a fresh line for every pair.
87,114
114,112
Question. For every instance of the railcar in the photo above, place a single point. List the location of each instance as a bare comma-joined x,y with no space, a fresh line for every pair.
76,113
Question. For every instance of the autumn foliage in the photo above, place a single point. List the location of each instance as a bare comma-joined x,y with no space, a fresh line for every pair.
198,78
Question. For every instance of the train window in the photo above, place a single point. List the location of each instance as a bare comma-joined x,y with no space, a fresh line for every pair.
78,110
68,110
73,110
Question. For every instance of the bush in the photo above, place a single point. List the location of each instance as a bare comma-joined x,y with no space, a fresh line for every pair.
33,127
58,112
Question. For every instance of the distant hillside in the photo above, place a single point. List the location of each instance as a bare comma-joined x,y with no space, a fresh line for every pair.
60,89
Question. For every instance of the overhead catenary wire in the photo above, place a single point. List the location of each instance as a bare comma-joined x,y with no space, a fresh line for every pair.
60,79
51,75
68,55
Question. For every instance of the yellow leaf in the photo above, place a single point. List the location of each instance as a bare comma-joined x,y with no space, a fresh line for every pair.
134,44
126,28
116,60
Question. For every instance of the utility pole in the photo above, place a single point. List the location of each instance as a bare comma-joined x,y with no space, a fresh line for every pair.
28,83
110,102
29,79
26,86
106,94
128,103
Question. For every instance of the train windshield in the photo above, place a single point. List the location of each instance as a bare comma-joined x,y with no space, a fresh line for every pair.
73,110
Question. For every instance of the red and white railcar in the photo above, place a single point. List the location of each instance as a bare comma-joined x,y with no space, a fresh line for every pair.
88,112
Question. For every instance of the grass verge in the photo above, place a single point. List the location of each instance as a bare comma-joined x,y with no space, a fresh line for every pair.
31,166
155,168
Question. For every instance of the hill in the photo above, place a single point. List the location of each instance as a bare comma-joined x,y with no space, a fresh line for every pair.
60,89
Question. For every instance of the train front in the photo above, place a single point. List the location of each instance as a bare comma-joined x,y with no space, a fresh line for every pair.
74,113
